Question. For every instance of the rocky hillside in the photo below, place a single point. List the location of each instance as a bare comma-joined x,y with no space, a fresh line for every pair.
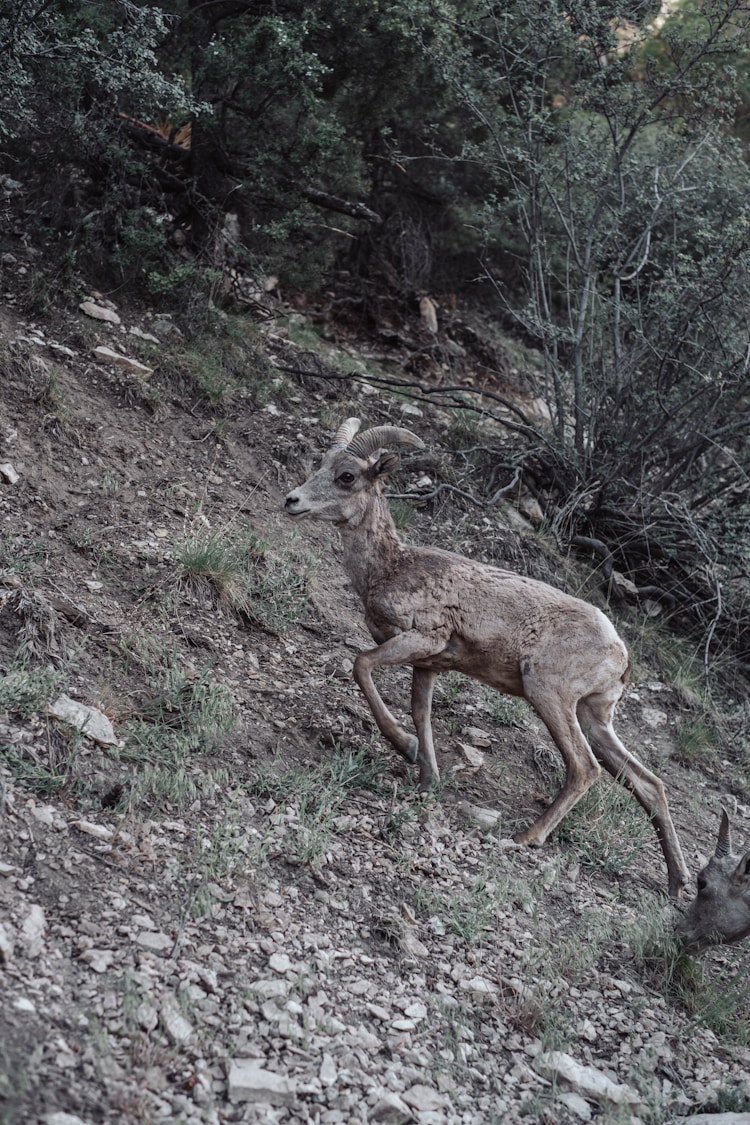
221,897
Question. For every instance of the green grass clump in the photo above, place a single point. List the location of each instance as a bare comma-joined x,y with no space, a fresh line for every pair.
180,717
608,828
313,800
695,741
210,563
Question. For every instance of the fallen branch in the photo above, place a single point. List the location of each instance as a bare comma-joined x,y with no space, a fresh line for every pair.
343,206
422,496
452,395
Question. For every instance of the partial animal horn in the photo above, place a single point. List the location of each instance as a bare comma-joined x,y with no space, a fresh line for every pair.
724,842
382,437
345,433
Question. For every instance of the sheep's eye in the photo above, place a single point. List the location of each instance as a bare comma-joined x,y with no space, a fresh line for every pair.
702,882
346,478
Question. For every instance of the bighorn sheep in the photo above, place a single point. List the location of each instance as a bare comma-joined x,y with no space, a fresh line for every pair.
720,912
439,611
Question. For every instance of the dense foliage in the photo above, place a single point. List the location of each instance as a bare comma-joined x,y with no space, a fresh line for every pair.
581,167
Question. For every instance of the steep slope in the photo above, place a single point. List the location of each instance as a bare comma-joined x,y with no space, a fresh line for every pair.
241,910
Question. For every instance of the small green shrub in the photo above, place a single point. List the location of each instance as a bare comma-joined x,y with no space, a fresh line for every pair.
402,512
507,710
469,913
27,691
277,594
718,999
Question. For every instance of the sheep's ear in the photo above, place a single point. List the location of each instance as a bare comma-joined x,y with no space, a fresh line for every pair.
741,873
385,464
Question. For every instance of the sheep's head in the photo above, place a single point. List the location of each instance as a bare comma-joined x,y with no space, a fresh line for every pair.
720,912
351,468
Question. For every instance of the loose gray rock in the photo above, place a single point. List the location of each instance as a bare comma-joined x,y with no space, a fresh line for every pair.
63,1119
474,758
7,472
98,959
6,946
176,1026
576,1104
483,819
249,1082
585,1080
390,1110
477,737
158,943
717,1119
425,1099
135,331
32,931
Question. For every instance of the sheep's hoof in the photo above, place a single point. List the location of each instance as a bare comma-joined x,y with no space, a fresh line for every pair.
410,749
677,887
527,837
428,783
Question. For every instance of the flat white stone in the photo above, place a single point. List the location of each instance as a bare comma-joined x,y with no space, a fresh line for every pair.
576,1104
473,757
134,331
483,819
425,1098
99,312
328,1071
479,986
390,1110
60,1118
716,1119
100,831
477,736
654,718
108,355
6,946
269,988
88,720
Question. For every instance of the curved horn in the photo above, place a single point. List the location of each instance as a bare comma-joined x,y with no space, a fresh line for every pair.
382,437
724,843
345,433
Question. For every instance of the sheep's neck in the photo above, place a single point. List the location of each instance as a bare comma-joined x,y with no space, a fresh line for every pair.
371,546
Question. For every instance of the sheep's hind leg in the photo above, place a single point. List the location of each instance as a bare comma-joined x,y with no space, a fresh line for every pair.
581,767
646,787
405,648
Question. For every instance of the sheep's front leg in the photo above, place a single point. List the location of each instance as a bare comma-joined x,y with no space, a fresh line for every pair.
405,648
422,685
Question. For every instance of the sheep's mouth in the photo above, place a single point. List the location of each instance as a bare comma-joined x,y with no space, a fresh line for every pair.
297,515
